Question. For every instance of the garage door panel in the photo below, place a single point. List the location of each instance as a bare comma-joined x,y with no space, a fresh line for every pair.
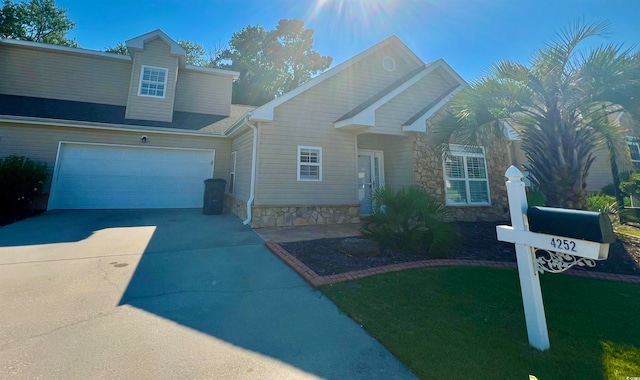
105,176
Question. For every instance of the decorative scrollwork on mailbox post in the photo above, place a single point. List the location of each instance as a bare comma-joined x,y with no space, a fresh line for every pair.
557,262
549,240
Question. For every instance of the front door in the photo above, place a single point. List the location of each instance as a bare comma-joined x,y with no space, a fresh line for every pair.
370,178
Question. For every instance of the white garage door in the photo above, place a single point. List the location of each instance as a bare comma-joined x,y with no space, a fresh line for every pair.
90,176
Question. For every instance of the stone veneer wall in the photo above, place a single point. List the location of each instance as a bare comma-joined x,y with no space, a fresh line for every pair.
269,216
236,206
428,172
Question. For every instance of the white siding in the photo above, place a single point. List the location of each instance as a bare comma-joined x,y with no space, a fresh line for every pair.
243,145
61,75
156,53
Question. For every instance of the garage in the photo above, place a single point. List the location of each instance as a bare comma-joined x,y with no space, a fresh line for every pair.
101,176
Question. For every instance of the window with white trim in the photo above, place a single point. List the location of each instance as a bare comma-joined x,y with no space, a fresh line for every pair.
232,173
634,149
153,81
465,176
309,163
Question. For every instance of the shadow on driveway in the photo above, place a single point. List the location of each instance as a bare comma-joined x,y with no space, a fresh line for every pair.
214,275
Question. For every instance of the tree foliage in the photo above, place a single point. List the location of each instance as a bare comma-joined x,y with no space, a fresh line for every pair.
271,62
563,103
37,21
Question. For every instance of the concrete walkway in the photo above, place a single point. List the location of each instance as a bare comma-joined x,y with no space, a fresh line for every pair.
166,294
303,233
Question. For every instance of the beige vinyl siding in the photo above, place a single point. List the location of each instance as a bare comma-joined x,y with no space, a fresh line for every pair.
203,93
41,142
600,172
243,145
62,75
391,116
307,119
156,53
397,157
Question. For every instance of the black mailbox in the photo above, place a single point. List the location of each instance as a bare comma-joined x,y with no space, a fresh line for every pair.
583,225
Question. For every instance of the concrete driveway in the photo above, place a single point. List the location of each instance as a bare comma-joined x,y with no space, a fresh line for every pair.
166,294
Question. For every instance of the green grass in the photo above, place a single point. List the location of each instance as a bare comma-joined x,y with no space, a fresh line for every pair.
628,230
468,323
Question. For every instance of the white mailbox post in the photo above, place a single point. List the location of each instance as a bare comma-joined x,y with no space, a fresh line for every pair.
565,238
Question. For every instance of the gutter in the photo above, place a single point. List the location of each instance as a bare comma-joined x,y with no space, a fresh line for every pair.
254,159
104,126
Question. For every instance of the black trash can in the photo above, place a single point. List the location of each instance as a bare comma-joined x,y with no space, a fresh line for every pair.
213,196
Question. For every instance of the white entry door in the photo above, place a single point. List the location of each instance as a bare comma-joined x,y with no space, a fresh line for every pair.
101,176
370,177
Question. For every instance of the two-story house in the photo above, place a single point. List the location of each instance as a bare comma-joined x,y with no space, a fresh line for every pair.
145,130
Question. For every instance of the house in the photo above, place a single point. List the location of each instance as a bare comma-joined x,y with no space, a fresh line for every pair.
145,130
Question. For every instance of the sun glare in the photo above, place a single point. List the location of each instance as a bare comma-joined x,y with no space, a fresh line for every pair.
358,17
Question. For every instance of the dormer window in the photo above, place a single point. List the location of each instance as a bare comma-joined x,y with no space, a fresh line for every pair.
153,81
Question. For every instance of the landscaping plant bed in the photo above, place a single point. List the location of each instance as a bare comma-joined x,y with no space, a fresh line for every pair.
477,242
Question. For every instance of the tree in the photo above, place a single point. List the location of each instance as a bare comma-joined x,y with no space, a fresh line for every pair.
119,48
37,21
563,102
272,62
196,53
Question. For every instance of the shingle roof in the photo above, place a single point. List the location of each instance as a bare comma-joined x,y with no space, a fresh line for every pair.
112,114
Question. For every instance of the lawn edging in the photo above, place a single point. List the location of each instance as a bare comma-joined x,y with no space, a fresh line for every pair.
315,280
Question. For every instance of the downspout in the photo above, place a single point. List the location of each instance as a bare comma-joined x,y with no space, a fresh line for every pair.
253,170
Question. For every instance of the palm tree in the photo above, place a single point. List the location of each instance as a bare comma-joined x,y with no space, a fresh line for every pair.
562,102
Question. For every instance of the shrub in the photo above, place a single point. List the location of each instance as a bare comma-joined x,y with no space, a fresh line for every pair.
21,180
602,203
535,198
409,220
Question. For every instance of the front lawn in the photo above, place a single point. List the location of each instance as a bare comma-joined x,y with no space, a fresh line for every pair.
468,323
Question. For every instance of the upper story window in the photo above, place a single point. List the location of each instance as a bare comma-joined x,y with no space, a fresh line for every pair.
309,163
465,176
153,81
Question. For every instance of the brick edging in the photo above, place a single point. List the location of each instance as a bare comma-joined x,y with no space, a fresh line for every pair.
316,280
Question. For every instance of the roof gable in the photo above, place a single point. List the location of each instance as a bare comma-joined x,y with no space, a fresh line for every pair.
137,43
266,112
365,114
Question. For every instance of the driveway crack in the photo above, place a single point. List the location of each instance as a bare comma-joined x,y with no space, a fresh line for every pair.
106,276
100,315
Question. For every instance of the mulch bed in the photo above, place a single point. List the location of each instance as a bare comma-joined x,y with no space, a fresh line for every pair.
478,242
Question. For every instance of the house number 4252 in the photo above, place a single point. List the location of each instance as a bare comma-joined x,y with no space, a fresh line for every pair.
567,245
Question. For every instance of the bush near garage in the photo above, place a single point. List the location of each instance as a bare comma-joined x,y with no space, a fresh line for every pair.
21,180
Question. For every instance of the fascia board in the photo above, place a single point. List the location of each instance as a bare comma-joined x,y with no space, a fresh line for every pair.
65,49
210,70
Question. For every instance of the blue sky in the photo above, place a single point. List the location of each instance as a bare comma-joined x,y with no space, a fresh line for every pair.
469,34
